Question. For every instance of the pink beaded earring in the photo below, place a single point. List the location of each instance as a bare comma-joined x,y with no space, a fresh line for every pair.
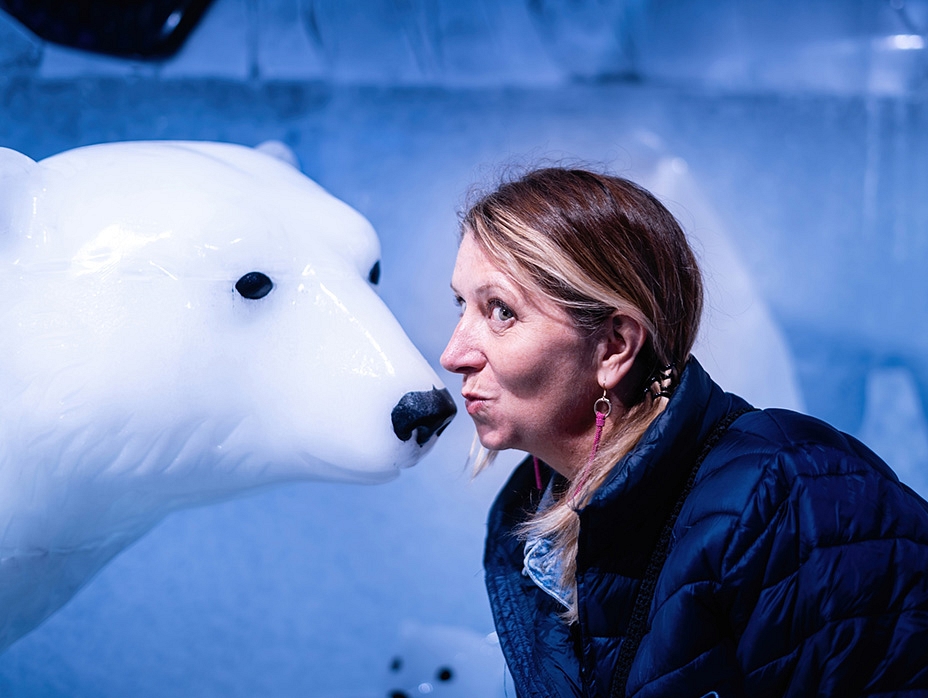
602,408
537,472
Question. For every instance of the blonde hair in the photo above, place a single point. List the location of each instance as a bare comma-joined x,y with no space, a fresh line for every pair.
594,244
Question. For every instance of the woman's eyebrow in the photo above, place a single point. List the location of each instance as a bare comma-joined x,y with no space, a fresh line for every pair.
493,286
482,288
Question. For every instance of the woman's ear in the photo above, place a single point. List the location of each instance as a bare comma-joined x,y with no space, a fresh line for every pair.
623,339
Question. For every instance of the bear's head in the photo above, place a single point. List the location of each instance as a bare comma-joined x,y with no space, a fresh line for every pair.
181,321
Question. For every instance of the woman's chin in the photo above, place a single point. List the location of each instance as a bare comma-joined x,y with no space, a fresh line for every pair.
493,440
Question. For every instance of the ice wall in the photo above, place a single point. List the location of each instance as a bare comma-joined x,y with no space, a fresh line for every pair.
790,137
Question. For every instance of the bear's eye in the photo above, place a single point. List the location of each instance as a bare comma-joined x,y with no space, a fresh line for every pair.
254,285
396,664
445,674
374,275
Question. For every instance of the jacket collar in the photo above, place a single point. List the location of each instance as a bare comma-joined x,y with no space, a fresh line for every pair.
644,484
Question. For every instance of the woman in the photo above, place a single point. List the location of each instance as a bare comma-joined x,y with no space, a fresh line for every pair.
663,538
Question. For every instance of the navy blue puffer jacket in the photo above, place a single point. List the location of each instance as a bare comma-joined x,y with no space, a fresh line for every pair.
798,566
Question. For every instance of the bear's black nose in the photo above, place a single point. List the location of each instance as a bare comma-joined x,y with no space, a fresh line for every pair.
426,412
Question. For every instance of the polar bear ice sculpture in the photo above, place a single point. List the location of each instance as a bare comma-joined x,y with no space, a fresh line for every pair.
181,321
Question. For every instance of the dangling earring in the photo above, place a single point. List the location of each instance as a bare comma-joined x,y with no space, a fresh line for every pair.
602,408
537,472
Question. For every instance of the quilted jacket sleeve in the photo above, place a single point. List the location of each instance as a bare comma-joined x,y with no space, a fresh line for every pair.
828,572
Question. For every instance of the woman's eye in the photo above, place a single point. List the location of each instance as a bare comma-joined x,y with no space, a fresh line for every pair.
501,313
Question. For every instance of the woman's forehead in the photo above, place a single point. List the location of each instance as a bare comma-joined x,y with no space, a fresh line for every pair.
476,271
478,275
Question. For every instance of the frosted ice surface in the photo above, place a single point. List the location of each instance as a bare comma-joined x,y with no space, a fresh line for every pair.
492,43
221,46
590,40
374,41
770,45
289,46
444,42
740,344
19,49
775,45
894,424
63,63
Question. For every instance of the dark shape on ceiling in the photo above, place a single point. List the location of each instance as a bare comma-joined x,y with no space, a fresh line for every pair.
148,29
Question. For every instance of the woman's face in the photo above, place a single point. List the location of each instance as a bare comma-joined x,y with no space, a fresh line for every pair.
529,378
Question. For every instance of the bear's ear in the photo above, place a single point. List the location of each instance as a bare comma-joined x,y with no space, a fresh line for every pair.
16,172
281,151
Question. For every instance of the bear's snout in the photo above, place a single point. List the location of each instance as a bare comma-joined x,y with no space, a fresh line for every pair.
426,413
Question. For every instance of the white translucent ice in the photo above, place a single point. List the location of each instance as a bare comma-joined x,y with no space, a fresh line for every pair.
135,379
740,343
894,424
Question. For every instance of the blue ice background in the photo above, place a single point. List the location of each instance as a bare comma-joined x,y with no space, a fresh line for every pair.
804,121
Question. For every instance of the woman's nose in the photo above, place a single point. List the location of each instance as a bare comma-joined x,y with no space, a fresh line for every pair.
460,355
